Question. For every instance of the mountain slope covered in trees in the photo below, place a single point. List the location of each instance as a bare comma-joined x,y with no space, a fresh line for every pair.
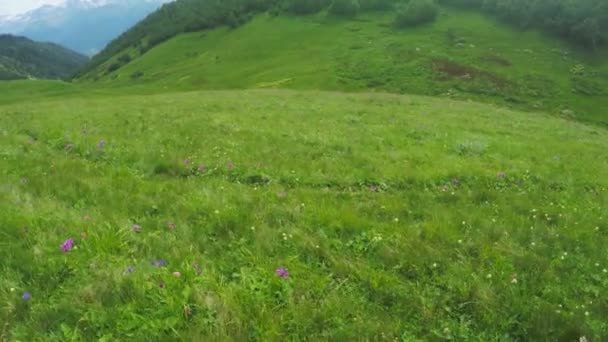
22,58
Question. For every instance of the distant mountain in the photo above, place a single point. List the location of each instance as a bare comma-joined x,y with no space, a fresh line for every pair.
86,26
22,58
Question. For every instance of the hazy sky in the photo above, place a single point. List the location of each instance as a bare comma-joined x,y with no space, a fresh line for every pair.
10,7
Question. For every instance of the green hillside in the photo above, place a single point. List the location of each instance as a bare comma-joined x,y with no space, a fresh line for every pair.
22,58
397,218
583,22
463,55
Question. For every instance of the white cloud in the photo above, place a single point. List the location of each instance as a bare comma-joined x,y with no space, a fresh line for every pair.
12,7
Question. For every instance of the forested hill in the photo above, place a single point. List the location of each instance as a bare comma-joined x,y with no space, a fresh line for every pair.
581,21
584,22
22,58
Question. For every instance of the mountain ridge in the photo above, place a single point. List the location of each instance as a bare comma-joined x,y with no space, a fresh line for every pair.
23,58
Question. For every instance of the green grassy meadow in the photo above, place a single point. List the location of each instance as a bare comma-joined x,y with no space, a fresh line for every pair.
311,179
398,217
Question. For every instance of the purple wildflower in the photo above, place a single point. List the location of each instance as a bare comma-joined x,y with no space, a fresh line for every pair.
159,263
130,269
282,272
67,245
373,188
26,296
101,144
455,181
161,285
187,162
69,147
501,175
171,225
202,168
136,228
230,165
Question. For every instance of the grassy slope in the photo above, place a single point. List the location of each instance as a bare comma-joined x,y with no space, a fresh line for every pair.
321,52
431,254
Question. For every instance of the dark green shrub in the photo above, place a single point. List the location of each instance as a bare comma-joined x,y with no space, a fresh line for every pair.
347,8
376,5
137,75
463,3
306,6
113,67
124,59
416,12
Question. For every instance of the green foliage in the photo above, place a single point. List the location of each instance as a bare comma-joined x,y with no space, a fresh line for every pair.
346,8
124,59
303,7
376,5
21,58
583,22
113,67
398,218
416,12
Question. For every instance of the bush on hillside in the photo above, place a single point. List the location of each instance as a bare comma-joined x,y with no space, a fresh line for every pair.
124,59
347,8
416,12
376,5
301,7
463,3
113,67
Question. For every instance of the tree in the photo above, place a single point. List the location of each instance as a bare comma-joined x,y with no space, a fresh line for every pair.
347,8
582,21
376,5
306,6
588,31
416,12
